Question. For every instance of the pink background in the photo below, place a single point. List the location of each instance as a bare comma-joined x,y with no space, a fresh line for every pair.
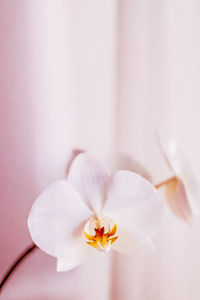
103,76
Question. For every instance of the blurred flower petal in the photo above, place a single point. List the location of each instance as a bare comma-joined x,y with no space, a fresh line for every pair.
89,177
56,219
177,199
134,203
188,185
185,172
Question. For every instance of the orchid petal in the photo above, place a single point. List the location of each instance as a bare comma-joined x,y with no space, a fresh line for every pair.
134,203
183,170
73,155
75,258
88,177
177,199
57,218
126,243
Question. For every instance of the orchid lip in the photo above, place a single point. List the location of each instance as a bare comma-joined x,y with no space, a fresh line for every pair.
100,233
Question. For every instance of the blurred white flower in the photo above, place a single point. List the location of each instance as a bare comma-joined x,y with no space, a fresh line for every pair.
182,191
93,210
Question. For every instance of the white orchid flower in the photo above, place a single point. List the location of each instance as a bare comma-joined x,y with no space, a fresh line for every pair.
182,191
91,210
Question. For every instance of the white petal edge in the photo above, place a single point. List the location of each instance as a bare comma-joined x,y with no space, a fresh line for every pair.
123,161
128,245
57,219
88,176
177,199
135,204
77,257
182,168
74,153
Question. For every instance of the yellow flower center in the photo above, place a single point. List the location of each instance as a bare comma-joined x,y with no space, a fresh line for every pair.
100,235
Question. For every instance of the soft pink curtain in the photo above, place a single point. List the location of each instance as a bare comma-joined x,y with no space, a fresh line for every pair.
104,76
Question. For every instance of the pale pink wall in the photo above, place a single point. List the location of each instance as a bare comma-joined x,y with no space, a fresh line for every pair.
101,75
17,145
57,82
159,88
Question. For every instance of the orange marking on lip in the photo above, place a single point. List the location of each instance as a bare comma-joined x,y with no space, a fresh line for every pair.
102,240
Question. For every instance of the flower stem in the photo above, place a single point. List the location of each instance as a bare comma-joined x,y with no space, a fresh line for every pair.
16,263
169,180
